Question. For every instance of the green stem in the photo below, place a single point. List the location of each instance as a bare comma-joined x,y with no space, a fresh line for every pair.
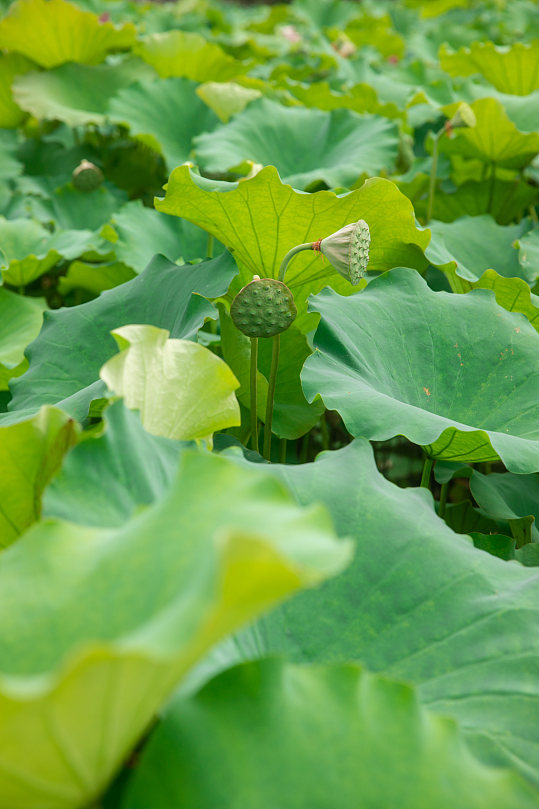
427,469
21,290
290,255
282,453
324,431
271,395
304,453
433,169
443,499
254,420
209,248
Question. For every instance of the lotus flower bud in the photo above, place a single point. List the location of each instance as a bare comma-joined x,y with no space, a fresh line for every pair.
463,117
347,250
263,308
87,176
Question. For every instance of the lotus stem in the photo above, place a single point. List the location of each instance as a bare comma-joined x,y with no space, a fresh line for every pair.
433,170
282,453
209,248
291,253
253,369
427,469
443,499
271,396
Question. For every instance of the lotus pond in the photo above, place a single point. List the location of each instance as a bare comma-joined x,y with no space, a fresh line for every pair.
269,404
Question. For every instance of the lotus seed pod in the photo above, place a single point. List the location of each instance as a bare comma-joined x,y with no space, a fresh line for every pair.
87,176
347,250
263,308
463,117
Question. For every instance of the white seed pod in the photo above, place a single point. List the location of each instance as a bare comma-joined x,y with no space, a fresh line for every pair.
347,250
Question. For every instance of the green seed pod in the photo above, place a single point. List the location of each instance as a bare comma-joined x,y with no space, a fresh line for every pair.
463,117
263,308
348,250
87,176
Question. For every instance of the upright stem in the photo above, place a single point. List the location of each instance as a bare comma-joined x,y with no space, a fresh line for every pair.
254,420
433,169
290,255
324,431
271,396
427,469
209,248
282,453
443,499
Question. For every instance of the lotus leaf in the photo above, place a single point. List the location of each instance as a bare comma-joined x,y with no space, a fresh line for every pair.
419,603
509,149
149,109
271,733
260,219
514,498
38,445
74,93
83,676
226,99
511,70
189,55
51,32
105,478
164,295
511,293
473,244
450,372
306,146
11,65
181,389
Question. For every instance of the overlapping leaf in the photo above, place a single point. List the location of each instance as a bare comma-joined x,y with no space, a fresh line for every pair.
74,343
271,733
51,32
450,372
181,389
418,603
85,674
306,146
511,70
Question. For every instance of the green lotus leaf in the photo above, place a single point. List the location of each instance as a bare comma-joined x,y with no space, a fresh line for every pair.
30,454
511,70
521,110
514,498
94,278
450,372
76,94
83,675
419,603
293,416
360,98
67,208
260,731
11,65
529,253
150,110
51,32
305,145
509,149
227,98
473,244
376,31
511,293
261,219
20,322
75,342
106,477
163,235
29,250
181,389
507,202
188,55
